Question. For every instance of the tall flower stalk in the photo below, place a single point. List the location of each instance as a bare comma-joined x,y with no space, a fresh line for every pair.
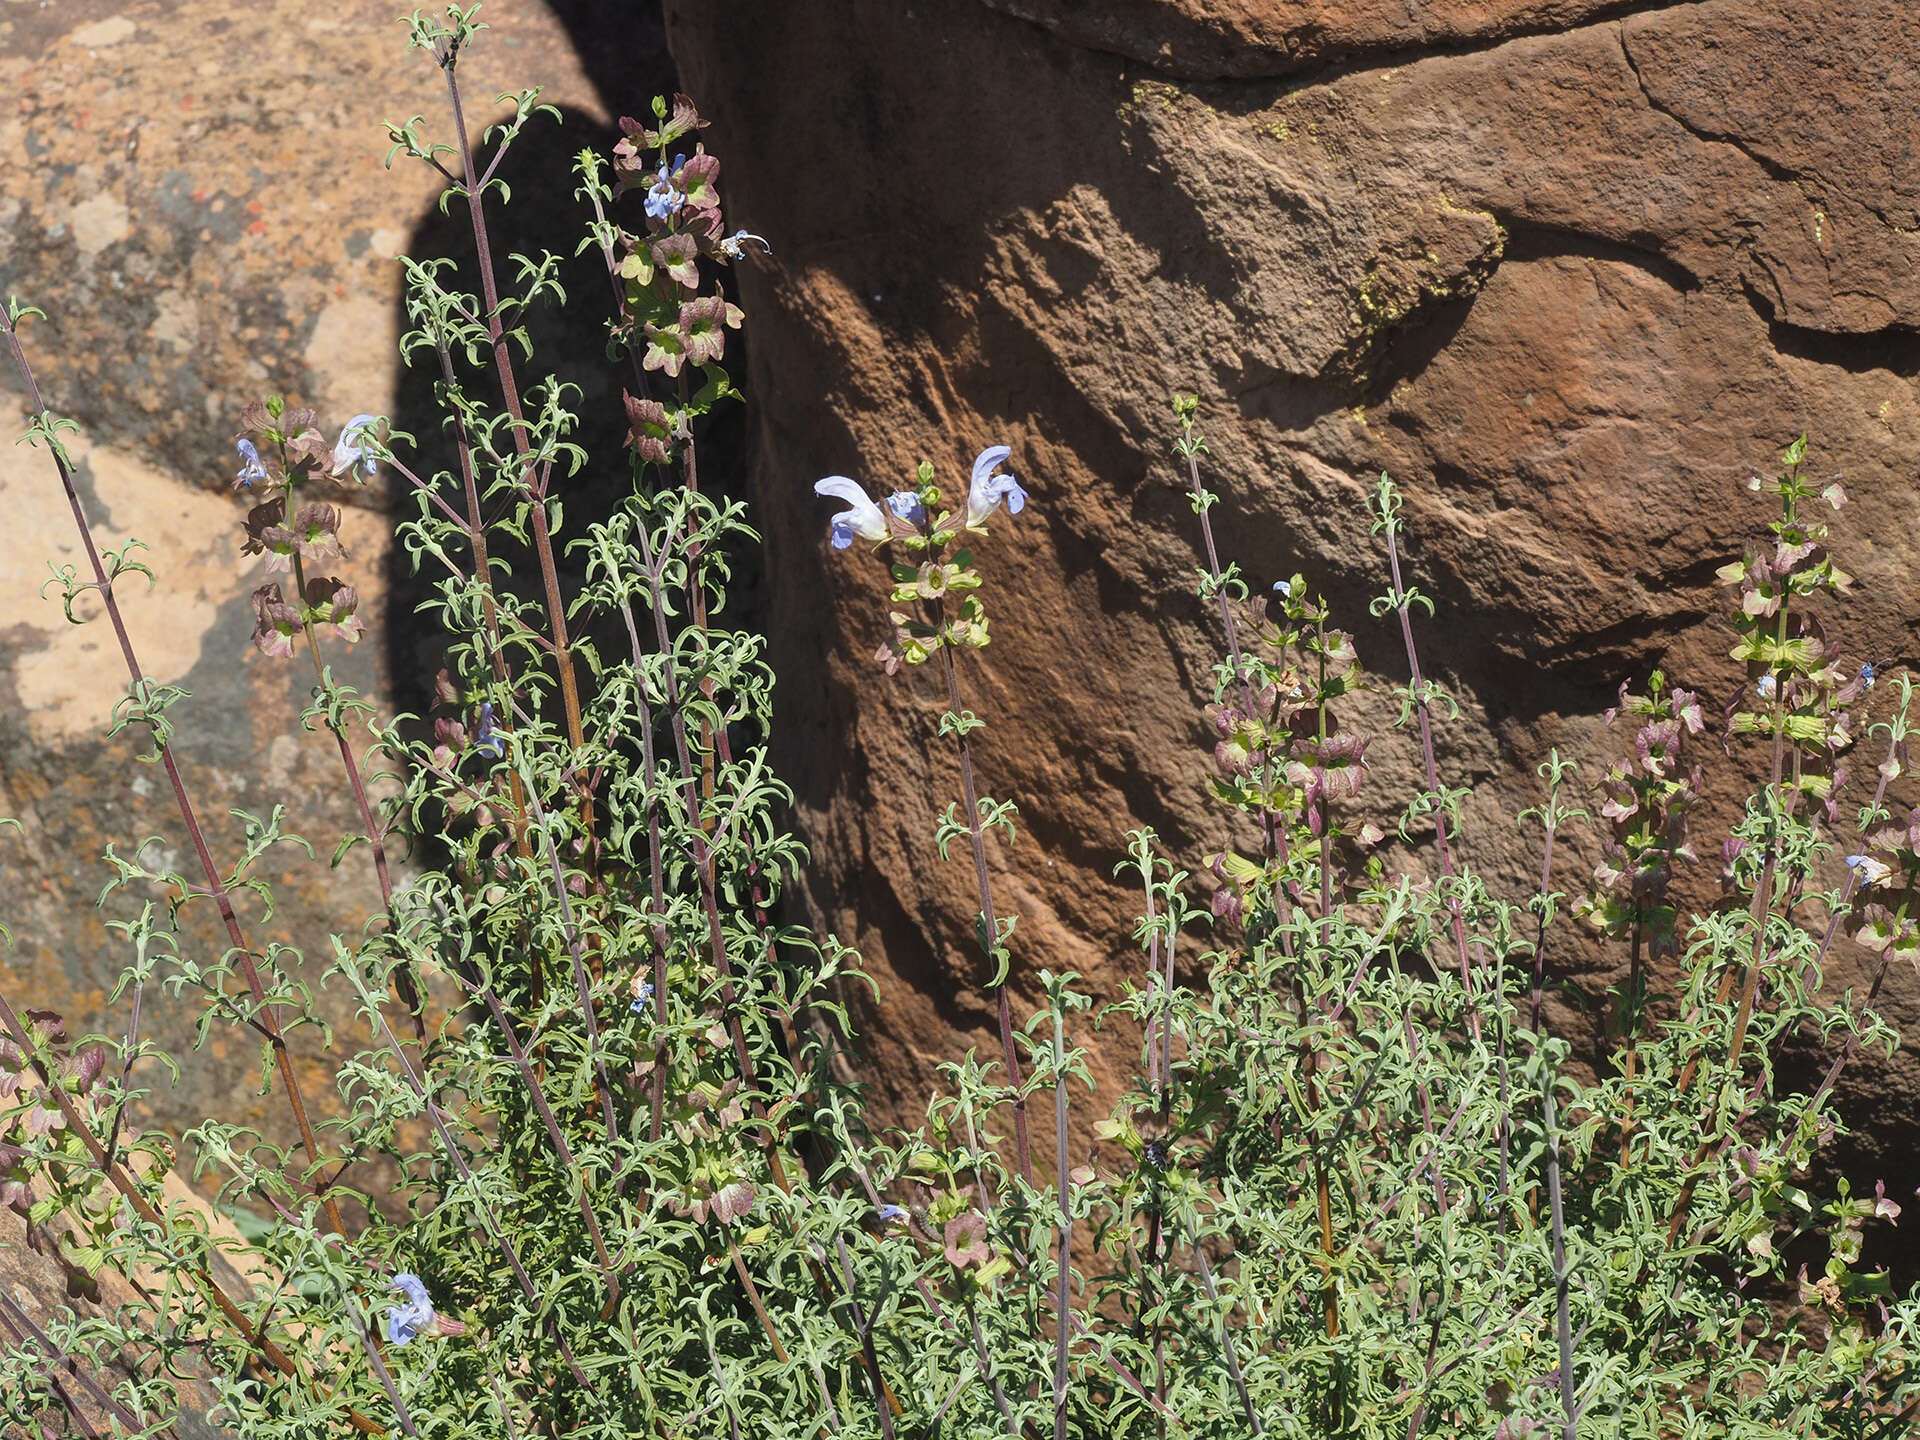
934,625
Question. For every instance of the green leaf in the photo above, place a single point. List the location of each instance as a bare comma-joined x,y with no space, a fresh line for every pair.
717,388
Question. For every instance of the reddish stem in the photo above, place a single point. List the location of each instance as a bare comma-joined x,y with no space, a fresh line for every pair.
1417,687
977,836
216,887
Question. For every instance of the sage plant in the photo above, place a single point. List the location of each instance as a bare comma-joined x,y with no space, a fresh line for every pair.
591,1164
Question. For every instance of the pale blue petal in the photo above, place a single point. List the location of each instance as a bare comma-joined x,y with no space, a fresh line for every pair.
861,517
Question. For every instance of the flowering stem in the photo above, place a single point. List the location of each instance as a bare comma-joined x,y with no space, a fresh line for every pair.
704,856
583,982
1632,1020
489,609
1160,1047
1271,836
1202,504
697,603
405,979
1763,892
1760,914
977,835
656,874
713,738
1551,823
1562,1310
1309,1059
216,887
1064,1181
1274,839
1403,605
510,396
1563,1318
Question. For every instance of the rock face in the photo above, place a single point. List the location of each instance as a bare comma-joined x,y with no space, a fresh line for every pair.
194,193
1568,268
1571,271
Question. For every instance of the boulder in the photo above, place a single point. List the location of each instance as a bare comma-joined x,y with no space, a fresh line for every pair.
1570,271
195,194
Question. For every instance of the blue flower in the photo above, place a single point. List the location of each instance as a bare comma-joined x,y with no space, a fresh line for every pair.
489,741
1868,870
351,448
1767,687
1284,588
641,997
908,507
987,489
406,1322
893,1215
663,199
862,517
734,247
1867,675
252,470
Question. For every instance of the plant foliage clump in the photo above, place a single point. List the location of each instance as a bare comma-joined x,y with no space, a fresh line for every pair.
592,1164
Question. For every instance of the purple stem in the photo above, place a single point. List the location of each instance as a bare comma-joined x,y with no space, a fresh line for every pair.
1065,1259
1417,687
1563,1321
216,887
976,834
510,396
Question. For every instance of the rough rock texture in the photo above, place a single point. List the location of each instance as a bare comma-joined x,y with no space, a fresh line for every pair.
196,197
1216,39
1568,268
195,194
1571,271
40,1284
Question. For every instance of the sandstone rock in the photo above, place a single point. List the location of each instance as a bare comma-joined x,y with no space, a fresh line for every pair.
1569,276
1216,39
34,1277
194,193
